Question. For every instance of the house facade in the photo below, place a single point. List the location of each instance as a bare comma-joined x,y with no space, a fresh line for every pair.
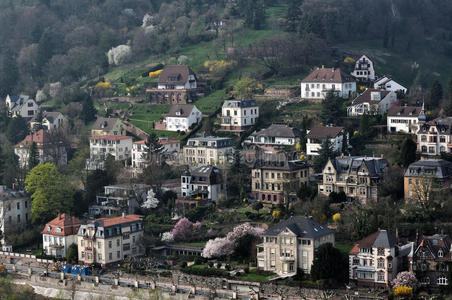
435,137
182,117
273,136
59,234
239,115
373,261
176,85
140,151
119,198
110,240
208,150
108,126
15,214
274,181
358,177
323,80
405,119
22,106
291,244
50,120
424,177
119,146
49,147
431,260
388,84
205,182
317,135
364,69
372,102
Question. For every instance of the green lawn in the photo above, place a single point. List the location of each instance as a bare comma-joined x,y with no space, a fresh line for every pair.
302,106
253,276
212,102
344,247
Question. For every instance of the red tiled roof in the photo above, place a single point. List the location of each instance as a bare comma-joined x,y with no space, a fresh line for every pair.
179,72
40,137
120,220
404,111
161,141
328,75
324,131
365,97
110,137
69,225
355,250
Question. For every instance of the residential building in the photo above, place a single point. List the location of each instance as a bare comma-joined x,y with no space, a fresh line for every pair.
22,106
50,120
388,84
358,177
424,177
204,182
239,115
323,80
373,261
317,135
49,145
100,146
273,136
119,198
208,150
59,234
182,117
110,240
274,181
431,260
140,151
290,245
364,69
108,126
176,85
15,214
435,137
405,119
372,102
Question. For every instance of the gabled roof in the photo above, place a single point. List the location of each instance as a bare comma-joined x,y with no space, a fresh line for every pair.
443,124
438,168
351,165
67,225
304,227
180,110
107,222
51,116
379,239
328,75
105,124
40,137
210,175
278,130
239,103
177,75
322,132
435,243
366,96
404,111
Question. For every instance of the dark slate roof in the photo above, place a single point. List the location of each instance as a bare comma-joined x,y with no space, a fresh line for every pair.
176,75
283,164
304,227
278,130
365,97
106,124
404,111
444,125
322,132
435,243
180,110
351,164
240,103
379,239
439,168
49,115
328,75
206,175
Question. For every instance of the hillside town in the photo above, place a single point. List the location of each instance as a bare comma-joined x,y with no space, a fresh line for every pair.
235,194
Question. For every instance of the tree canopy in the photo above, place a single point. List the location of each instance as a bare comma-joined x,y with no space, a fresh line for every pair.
329,263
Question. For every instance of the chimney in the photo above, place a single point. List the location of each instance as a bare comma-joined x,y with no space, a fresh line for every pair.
123,214
332,69
59,216
323,66
382,155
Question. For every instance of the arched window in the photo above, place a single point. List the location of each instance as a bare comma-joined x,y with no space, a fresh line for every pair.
440,253
442,280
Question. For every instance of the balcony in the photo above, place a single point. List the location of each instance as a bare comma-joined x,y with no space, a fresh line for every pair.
287,258
226,120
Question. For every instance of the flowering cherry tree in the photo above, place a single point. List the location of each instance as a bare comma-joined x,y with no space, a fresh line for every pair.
167,237
407,279
185,229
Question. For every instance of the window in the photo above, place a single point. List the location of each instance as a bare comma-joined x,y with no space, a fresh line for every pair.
118,254
440,253
18,205
83,254
355,261
110,256
442,280
381,263
110,244
99,256
381,276
99,245
381,251
117,242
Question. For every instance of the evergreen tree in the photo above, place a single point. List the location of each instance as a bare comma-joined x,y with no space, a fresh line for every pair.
46,47
332,109
293,15
9,74
365,126
259,15
39,118
17,129
329,263
436,94
88,112
33,156
326,152
407,152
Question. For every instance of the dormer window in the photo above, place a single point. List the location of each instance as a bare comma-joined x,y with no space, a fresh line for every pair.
440,253
58,230
48,228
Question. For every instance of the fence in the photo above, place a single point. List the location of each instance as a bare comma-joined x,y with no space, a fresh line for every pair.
21,255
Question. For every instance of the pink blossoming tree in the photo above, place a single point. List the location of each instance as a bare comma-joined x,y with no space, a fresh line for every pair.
185,230
405,279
